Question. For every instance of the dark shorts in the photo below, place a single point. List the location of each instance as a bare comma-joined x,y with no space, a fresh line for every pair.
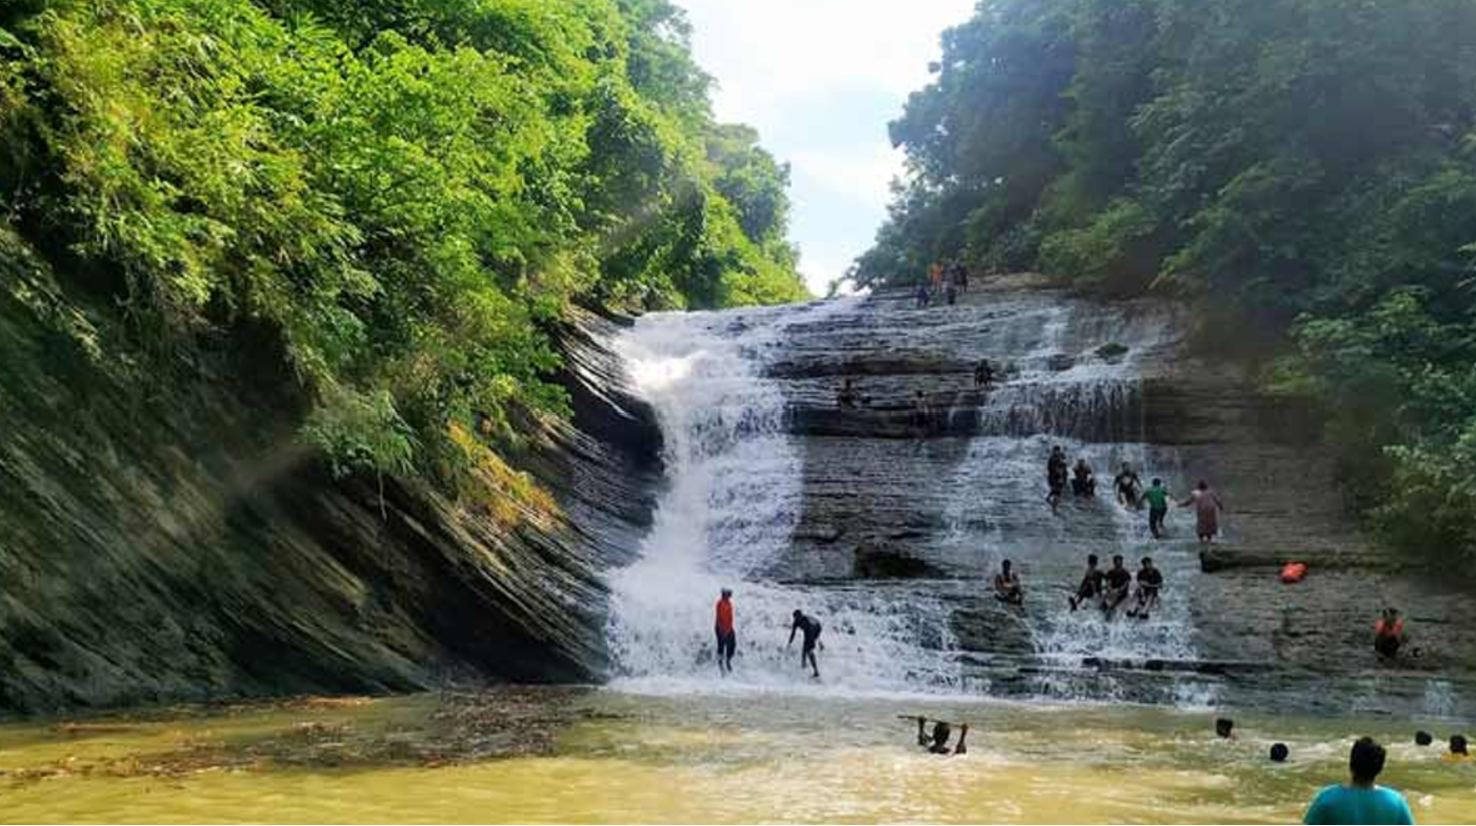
1387,646
727,643
810,643
1157,515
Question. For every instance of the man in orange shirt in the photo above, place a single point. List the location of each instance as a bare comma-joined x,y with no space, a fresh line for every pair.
727,638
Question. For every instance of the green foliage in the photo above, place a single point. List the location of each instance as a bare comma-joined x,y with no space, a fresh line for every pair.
1307,165
410,192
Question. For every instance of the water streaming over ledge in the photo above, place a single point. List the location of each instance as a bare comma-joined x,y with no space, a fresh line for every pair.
773,492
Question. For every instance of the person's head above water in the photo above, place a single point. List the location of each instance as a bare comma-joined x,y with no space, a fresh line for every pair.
1423,738
1366,761
941,732
1224,726
1279,753
1458,744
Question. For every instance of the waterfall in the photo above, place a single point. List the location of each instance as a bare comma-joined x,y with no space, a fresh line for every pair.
732,505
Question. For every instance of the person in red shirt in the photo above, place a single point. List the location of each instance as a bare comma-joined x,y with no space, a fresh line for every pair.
1389,634
727,638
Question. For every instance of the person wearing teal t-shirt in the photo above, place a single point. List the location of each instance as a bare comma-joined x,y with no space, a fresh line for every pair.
1361,801
1157,498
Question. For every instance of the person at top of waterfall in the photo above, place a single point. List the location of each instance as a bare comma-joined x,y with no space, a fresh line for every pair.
1389,634
1083,483
1056,473
1157,497
1091,584
959,275
1207,506
849,398
1360,800
938,742
983,375
1007,588
727,635
1129,487
1119,582
1150,581
810,627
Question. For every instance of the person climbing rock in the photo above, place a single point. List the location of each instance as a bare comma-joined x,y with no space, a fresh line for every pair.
1007,588
1157,497
922,415
1360,800
1129,487
1119,581
811,630
1056,473
1389,634
983,375
1150,581
849,398
1083,483
938,742
727,636
1091,584
1207,506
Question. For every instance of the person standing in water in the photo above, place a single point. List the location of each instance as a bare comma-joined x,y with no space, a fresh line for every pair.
1091,584
1129,487
1207,507
727,635
811,628
1007,587
1056,473
1360,800
1083,482
1157,498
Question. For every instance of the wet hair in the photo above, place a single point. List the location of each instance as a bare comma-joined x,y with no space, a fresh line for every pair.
1366,760
1147,560
1203,485
1279,753
1223,727
1458,744
1423,738
1157,481
798,613
1006,564
1091,559
1117,559
727,592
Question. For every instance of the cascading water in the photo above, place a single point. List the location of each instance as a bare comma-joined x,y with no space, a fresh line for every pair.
732,505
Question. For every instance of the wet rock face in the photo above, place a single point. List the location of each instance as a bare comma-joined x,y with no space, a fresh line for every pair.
189,548
937,501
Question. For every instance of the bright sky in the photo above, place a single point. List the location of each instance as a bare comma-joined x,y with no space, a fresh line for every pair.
820,79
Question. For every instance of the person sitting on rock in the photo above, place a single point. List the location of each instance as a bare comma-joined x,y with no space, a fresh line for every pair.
938,743
1083,483
1091,584
1119,581
1129,487
849,398
1007,587
1150,580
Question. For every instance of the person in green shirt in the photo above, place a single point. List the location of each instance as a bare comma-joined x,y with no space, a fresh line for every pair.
1157,498
1361,801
